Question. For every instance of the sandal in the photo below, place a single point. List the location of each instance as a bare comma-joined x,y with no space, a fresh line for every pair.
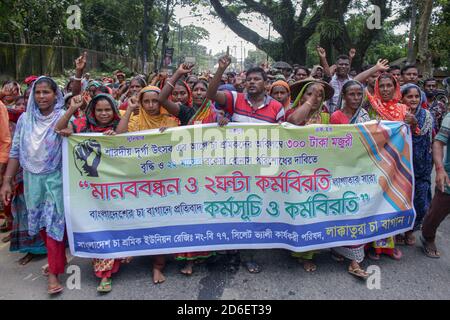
430,253
105,286
358,272
55,290
253,267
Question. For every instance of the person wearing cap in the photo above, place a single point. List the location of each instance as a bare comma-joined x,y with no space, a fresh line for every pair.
284,67
309,96
280,91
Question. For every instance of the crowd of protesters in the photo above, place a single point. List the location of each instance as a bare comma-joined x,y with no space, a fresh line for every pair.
36,115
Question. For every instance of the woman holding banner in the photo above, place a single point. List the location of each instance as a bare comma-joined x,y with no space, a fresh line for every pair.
37,148
150,116
351,111
385,104
309,96
102,116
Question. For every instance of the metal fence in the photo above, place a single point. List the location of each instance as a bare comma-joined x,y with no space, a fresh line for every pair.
18,61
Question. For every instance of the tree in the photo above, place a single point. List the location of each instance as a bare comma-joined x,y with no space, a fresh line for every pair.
423,53
297,26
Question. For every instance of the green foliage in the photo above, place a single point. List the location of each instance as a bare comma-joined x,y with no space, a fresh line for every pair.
111,65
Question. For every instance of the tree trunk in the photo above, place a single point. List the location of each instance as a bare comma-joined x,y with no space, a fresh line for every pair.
424,54
412,32
145,37
165,37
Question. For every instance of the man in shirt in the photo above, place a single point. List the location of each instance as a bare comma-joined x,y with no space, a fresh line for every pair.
440,206
338,81
253,106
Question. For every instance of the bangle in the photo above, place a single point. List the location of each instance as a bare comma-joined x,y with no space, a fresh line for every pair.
439,168
170,84
8,177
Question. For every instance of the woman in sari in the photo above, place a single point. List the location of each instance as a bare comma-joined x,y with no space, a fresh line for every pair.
422,158
20,240
385,104
351,102
351,111
150,116
202,112
309,96
102,116
37,148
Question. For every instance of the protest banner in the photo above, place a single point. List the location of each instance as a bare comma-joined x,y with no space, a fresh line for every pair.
203,188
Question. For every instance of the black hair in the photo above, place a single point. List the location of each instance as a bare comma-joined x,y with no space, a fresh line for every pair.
428,80
19,98
343,57
258,70
303,68
202,82
406,68
392,68
52,84
141,81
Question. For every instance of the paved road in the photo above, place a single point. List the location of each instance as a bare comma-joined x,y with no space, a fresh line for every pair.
414,277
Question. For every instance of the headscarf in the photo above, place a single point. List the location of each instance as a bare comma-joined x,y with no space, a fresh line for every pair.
360,115
40,145
88,123
284,84
146,121
189,91
319,116
424,124
392,110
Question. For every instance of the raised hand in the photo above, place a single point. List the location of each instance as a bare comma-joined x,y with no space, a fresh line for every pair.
185,68
382,65
133,104
76,103
80,62
352,53
224,62
321,52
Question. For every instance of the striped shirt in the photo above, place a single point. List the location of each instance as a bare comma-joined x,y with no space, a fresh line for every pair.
239,107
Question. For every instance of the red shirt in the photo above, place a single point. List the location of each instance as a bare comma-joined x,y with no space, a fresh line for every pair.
241,110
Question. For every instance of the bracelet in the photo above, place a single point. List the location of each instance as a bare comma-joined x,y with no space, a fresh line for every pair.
170,84
77,79
8,177
439,168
